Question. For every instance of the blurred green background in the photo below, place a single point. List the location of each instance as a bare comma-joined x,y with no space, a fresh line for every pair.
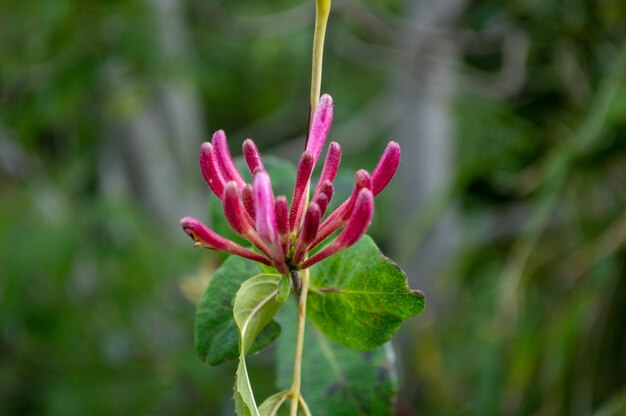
508,209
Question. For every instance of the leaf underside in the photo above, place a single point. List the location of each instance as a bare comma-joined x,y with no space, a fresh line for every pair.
216,333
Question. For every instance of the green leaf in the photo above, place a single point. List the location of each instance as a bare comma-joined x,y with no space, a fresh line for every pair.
284,288
216,334
271,405
359,297
255,305
336,380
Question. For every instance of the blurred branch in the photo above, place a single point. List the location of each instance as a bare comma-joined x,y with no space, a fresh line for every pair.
268,26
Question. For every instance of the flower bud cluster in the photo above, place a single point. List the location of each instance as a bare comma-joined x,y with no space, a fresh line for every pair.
285,235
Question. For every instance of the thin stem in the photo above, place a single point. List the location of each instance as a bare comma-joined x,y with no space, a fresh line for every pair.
297,366
321,18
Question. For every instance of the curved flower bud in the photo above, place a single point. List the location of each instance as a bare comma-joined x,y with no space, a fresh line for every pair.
357,225
303,176
224,159
320,125
308,232
362,180
252,156
331,165
205,237
210,169
265,214
386,167
322,201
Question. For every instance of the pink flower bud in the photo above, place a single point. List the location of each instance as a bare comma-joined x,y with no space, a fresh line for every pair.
234,211
264,210
282,222
308,232
252,156
205,237
303,176
210,169
355,228
362,180
225,160
331,164
320,125
386,167
248,200
322,201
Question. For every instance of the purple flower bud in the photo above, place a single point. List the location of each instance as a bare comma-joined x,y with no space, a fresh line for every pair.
320,125
210,169
386,168
331,165
264,210
205,237
308,232
234,211
303,176
355,228
282,222
252,156
265,214
322,201
225,160
362,180
248,200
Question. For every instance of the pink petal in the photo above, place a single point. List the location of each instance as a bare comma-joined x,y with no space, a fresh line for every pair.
210,170
386,168
225,160
205,237
357,226
320,125
252,156
303,177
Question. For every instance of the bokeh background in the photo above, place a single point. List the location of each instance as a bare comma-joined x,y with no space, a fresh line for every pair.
508,210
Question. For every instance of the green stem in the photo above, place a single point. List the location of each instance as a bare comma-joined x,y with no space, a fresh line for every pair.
322,9
296,396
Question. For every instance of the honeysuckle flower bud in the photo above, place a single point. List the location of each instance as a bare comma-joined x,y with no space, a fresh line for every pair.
248,200
303,177
386,167
224,159
282,222
331,166
339,217
308,232
205,237
322,201
265,216
357,225
320,125
252,156
276,229
210,169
